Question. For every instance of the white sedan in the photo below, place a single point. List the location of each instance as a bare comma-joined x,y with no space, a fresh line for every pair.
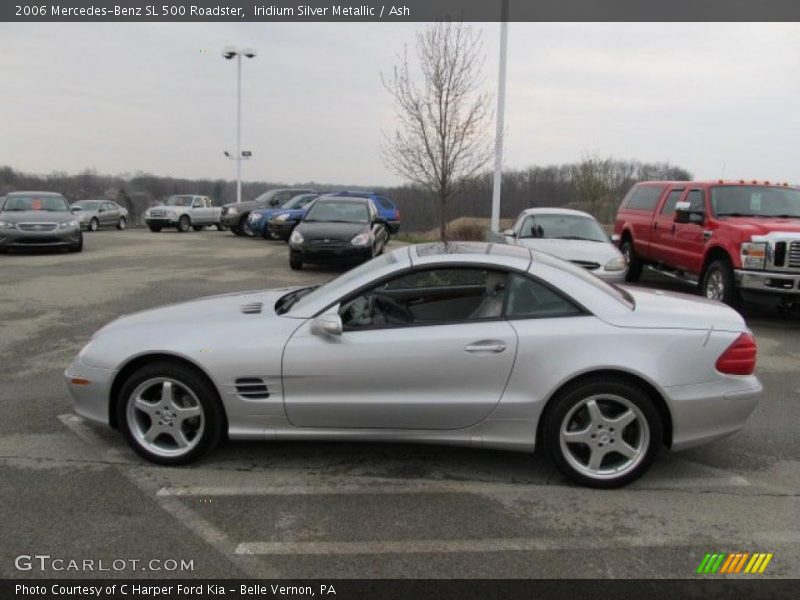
484,345
573,235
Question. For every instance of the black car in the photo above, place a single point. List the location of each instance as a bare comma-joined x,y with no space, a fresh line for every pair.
235,215
338,230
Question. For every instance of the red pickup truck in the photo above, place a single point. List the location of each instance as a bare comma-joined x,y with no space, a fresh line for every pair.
736,240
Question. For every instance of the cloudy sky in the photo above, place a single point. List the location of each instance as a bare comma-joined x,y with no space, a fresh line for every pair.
718,99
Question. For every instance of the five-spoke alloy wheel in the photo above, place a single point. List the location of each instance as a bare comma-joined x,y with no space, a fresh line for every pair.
169,413
603,433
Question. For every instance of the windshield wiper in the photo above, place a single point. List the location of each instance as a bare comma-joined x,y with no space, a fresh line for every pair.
286,302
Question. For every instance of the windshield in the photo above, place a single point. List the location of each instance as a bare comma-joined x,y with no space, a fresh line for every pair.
335,287
34,202
299,201
179,201
755,201
562,227
331,211
87,204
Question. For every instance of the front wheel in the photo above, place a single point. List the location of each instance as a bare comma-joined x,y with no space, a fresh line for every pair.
122,224
77,247
94,224
602,433
634,262
221,227
295,265
718,283
184,224
154,228
246,229
169,414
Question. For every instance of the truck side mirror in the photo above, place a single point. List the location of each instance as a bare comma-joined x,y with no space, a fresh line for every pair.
510,233
682,212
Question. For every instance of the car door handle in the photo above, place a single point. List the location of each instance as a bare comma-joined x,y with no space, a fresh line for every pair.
495,347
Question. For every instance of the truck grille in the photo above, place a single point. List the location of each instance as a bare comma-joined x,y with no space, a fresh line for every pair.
157,213
794,255
37,226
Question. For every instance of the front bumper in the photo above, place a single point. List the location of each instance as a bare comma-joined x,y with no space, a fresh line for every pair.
770,282
91,399
281,229
14,238
163,221
338,255
706,412
232,219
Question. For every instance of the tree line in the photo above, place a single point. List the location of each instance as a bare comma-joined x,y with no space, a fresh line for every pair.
593,184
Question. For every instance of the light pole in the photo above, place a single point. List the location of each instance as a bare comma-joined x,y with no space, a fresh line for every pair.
501,105
230,52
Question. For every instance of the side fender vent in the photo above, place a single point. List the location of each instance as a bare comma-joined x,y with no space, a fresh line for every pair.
252,388
254,308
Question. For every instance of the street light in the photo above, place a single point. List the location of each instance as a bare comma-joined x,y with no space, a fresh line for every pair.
229,53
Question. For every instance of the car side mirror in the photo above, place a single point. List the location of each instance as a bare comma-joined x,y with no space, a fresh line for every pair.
330,325
682,212
510,233
615,238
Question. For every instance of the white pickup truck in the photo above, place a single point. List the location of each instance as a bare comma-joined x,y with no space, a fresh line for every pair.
183,211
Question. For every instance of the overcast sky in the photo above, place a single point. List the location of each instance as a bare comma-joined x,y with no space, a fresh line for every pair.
718,99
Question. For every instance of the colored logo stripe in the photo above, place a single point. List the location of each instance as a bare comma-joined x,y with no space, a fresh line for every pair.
720,562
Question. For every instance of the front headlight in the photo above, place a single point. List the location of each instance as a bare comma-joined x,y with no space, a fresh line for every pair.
296,238
253,217
68,224
362,239
615,264
754,255
280,219
7,225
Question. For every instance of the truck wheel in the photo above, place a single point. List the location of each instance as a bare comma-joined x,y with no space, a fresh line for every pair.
122,223
198,227
602,432
236,230
718,283
154,228
634,262
183,224
221,227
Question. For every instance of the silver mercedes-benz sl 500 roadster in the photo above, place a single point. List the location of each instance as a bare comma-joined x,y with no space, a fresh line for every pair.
484,345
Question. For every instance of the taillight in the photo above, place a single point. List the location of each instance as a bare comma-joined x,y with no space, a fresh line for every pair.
740,357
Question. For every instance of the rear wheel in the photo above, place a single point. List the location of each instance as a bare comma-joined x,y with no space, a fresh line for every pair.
122,224
169,414
718,283
634,262
154,228
184,223
602,433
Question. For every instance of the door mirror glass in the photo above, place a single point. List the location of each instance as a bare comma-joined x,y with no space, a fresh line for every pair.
330,324
615,238
682,212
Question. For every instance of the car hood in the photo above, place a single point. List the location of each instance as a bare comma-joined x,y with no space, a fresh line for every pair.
573,250
36,216
659,309
334,231
207,310
762,225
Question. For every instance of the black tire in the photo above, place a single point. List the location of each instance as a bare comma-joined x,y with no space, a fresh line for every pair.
214,416
154,228
634,262
244,227
184,224
236,231
122,224
94,224
79,246
198,227
562,405
221,227
295,265
718,283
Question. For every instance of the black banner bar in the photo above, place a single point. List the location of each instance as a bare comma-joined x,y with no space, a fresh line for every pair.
386,589
301,11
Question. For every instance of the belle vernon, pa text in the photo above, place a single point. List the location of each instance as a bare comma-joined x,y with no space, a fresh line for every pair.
172,591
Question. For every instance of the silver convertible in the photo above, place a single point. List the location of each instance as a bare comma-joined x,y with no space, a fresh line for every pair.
484,345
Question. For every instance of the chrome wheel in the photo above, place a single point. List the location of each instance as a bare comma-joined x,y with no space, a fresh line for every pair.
715,286
165,417
604,436
93,225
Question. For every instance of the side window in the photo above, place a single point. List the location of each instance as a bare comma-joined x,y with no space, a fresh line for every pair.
645,197
695,200
671,201
527,299
428,296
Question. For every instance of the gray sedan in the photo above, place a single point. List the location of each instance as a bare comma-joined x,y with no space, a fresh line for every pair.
94,214
38,220
492,346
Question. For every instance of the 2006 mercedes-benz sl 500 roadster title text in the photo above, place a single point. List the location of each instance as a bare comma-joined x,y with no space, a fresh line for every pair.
477,344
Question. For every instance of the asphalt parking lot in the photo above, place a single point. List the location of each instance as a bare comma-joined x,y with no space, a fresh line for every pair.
75,491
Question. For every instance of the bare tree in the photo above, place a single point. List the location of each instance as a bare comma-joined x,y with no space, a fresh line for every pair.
441,141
